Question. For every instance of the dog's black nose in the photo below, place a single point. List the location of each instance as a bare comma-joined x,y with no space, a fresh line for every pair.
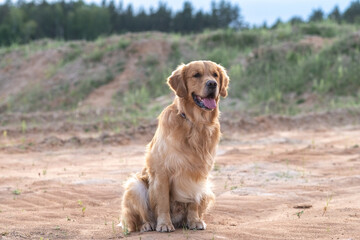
211,84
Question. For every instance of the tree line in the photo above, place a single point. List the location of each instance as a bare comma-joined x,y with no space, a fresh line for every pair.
23,21
350,15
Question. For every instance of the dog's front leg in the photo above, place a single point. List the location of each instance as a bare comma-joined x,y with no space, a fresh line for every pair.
193,219
160,203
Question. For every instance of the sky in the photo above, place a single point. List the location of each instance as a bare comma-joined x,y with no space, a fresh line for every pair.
256,11
253,11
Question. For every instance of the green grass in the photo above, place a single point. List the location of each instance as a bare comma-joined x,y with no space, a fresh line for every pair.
222,55
277,72
64,96
36,46
123,43
95,56
73,53
17,192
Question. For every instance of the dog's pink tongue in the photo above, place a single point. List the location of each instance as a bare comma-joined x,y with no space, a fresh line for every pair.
209,103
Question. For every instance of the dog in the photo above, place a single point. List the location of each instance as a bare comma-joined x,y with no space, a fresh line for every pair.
173,189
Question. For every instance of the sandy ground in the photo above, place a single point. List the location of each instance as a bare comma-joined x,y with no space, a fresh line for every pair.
299,184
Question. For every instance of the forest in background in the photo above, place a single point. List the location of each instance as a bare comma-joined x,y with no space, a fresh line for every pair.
23,21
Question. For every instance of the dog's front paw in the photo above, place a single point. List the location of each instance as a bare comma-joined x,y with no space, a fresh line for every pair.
148,226
165,227
199,225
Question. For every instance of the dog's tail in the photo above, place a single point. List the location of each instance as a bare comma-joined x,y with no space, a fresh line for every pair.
135,210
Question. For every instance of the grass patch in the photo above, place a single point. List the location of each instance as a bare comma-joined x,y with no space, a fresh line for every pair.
74,53
123,43
222,55
277,77
64,96
95,56
326,29
231,38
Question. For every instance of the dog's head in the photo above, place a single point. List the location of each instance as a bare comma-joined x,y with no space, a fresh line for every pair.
201,82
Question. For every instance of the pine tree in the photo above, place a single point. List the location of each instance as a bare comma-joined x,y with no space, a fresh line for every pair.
352,14
316,16
335,15
296,20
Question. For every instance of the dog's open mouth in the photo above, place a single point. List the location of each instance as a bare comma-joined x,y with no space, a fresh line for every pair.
207,103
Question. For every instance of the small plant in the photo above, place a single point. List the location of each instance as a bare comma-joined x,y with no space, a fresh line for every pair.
326,205
123,43
17,192
216,167
151,61
23,126
83,208
113,227
44,172
185,231
126,231
95,56
72,55
83,211
299,213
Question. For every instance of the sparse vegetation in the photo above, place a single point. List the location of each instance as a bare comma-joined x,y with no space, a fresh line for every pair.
276,70
298,214
23,126
125,230
328,200
95,56
216,167
17,192
83,208
74,52
123,43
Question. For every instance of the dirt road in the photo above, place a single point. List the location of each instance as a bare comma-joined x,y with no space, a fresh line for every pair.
299,184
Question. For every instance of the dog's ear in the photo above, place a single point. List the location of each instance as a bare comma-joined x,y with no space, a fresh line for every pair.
177,82
224,81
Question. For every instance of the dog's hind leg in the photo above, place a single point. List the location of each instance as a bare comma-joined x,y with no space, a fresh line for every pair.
136,214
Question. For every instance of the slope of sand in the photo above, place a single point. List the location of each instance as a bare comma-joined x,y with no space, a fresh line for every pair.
300,184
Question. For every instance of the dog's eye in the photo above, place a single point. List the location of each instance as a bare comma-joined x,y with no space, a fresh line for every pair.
197,75
215,75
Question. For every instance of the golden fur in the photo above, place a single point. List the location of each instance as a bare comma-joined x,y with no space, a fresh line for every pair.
173,188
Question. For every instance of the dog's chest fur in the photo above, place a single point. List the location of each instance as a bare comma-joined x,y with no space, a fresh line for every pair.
190,169
184,149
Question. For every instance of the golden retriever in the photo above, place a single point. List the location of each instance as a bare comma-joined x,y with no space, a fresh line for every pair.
173,188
